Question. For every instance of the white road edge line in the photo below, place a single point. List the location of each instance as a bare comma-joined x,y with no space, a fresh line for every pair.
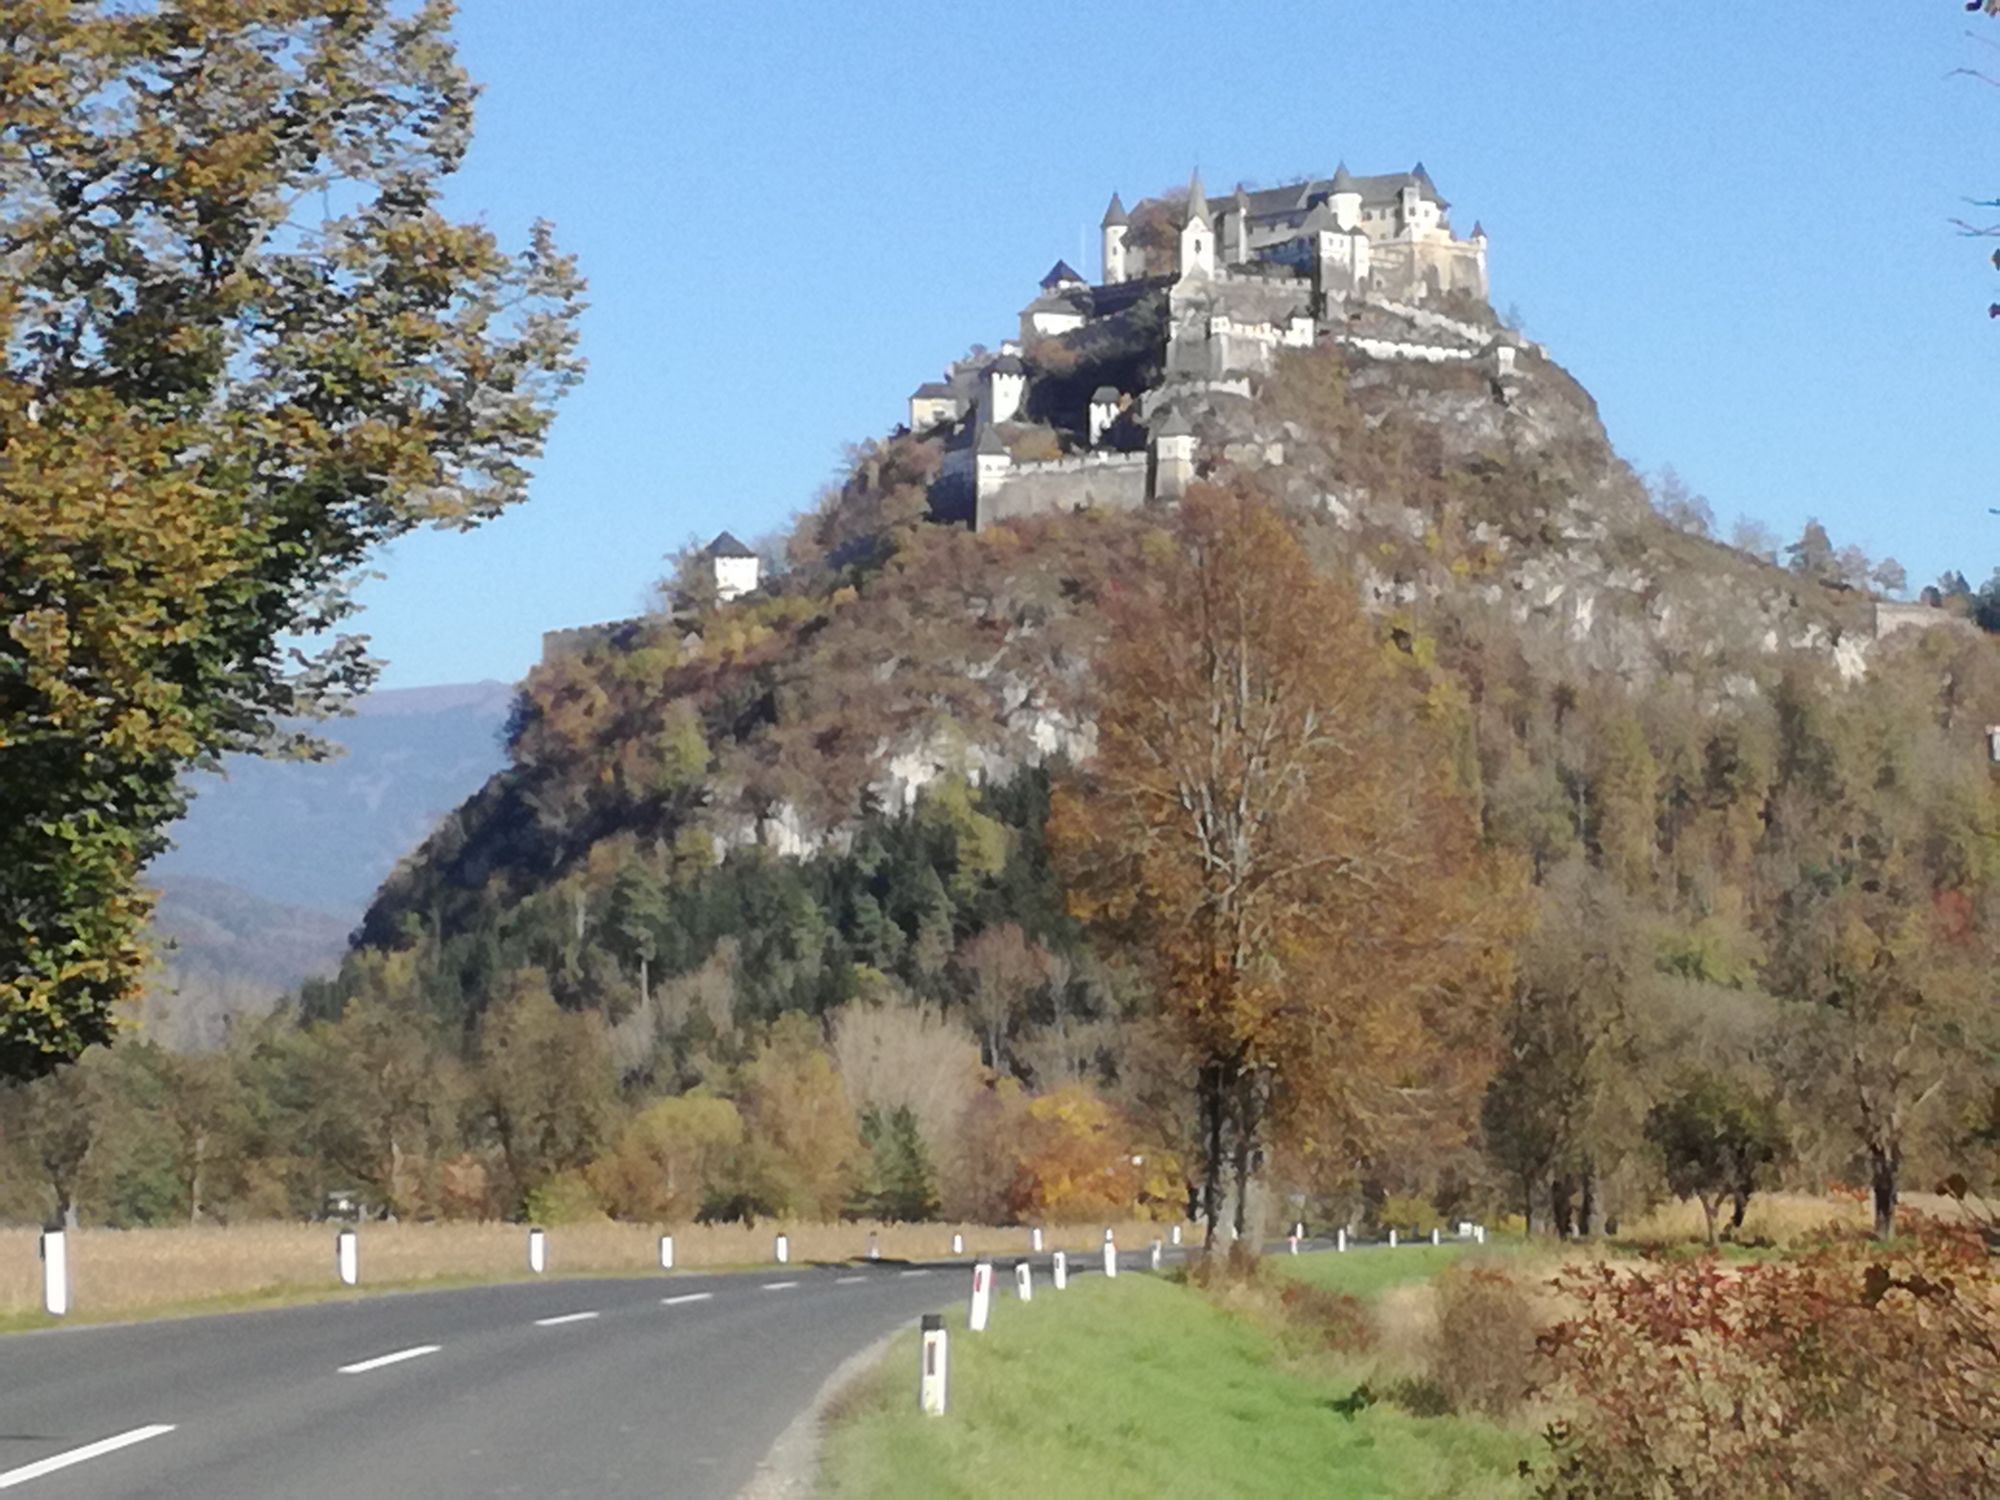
81,1455
779,1286
565,1318
847,1280
364,1366
685,1297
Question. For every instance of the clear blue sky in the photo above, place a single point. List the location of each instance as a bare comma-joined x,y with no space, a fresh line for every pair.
1730,220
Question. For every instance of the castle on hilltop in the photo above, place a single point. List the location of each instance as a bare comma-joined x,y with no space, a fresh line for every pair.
1085,407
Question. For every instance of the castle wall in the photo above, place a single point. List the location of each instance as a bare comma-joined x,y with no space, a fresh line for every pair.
1107,481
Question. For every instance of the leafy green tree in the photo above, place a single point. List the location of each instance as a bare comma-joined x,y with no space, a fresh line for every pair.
1714,1138
899,1183
213,408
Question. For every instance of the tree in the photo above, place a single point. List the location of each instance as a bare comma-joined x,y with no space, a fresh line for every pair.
1812,556
669,1159
1714,1137
213,409
899,1183
1268,817
804,1150
998,970
543,1081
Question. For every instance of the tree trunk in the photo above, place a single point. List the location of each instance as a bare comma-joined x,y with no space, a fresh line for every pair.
1739,1205
1561,1210
1209,1085
1886,1161
1710,1202
1586,1219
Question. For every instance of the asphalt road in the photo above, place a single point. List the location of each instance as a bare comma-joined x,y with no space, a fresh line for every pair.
669,1385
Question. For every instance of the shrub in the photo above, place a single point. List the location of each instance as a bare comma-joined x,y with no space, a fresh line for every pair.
565,1198
1488,1326
1410,1213
1854,1370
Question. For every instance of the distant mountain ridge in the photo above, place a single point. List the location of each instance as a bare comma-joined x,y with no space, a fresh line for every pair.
324,835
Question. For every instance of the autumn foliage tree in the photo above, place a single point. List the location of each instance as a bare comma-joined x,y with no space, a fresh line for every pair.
243,347
1271,818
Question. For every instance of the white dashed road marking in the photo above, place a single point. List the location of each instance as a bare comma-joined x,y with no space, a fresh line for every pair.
565,1318
913,1273
685,1297
81,1455
847,1280
364,1366
779,1286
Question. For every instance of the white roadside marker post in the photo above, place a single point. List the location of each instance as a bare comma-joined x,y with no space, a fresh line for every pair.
1293,1242
1177,1234
538,1251
781,1249
1392,1239
931,1369
982,1297
1156,1255
1434,1236
666,1252
958,1244
1479,1234
1060,1271
874,1245
1024,1282
55,1272
1035,1240
1110,1255
1299,1230
1340,1241
347,1256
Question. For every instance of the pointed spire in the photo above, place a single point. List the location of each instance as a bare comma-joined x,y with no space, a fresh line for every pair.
1114,213
1343,180
1421,175
1478,230
1197,201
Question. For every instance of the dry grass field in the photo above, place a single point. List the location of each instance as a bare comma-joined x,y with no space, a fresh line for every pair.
122,1273
1782,1219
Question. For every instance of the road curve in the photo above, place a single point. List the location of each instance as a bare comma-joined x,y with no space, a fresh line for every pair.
665,1385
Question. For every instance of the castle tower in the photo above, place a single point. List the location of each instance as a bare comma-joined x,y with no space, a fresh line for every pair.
1198,234
1173,457
1345,199
991,465
1114,226
1239,228
733,566
1006,385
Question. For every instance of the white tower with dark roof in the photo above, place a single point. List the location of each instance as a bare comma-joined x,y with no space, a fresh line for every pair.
1114,226
1198,233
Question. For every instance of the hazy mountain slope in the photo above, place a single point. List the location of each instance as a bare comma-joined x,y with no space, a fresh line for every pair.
225,953
324,835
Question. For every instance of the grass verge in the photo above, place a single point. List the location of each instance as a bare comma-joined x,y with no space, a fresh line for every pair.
1142,1386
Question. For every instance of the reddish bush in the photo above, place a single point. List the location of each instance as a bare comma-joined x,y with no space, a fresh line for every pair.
1855,1370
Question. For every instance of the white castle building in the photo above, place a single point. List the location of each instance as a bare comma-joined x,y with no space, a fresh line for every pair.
1081,409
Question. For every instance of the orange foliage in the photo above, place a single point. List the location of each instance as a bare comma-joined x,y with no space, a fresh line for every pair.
1075,1161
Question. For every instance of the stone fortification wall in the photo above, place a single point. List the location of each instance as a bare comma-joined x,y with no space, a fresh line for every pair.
1111,481
1380,348
1423,317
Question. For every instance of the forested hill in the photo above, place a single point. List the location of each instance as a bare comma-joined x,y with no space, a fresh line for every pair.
834,789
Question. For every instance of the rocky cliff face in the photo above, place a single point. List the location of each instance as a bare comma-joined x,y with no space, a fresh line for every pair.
1473,500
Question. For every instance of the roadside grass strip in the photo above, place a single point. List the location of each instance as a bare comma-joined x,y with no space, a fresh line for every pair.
1365,1273
1142,1387
74,1456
